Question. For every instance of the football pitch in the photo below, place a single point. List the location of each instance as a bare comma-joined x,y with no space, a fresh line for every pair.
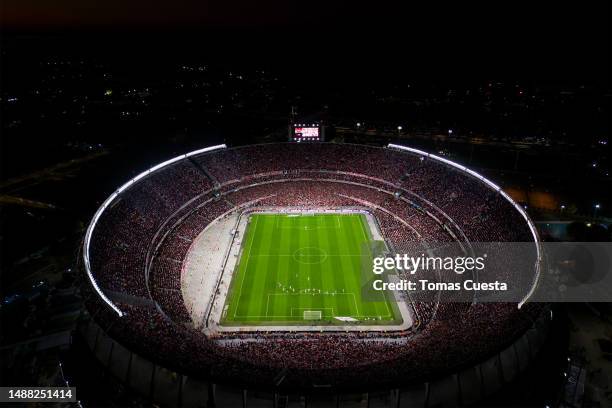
296,269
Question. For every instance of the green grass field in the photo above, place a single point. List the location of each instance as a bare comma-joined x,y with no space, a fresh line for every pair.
290,265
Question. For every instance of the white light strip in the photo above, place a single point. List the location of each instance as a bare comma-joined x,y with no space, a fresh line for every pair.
109,200
495,187
206,149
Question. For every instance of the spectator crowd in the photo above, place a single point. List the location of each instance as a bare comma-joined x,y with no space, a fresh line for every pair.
142,238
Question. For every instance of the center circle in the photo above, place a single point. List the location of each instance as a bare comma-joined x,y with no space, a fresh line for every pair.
310,255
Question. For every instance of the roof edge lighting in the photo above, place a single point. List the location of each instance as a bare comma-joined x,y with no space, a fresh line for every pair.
109,200
495,187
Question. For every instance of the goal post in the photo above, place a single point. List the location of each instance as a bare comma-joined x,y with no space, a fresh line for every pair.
312,315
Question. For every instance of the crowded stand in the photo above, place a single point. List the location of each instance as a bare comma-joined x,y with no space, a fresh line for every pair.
141,240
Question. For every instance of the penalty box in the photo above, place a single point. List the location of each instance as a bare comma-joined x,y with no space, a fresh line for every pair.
291,269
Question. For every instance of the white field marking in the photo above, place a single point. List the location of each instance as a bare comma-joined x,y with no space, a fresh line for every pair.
365,237
247,263
310,294
309,228
316,314
263,317
326,294
314,309
322,256
388,316
356,307
387,306
293,317
256,255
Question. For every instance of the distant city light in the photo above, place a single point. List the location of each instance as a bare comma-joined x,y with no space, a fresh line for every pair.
450,131
597,206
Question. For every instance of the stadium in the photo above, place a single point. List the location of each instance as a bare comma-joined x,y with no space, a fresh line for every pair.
231,276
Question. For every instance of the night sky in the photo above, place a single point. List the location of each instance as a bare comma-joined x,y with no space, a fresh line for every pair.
76,13
520,39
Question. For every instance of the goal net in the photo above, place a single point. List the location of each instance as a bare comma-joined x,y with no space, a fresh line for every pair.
312,315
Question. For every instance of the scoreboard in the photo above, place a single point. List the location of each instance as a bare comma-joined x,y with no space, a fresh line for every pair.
306,132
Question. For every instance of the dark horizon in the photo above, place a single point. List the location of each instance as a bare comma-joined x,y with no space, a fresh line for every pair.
520,40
